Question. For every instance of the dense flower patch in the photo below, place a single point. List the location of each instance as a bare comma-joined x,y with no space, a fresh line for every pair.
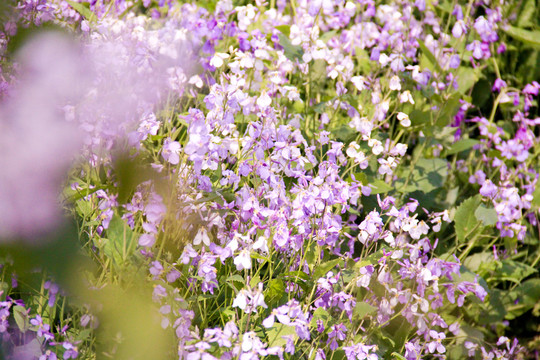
295,180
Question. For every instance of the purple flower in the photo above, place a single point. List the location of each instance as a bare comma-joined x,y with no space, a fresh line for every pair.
488,189
436,343
337,332
498,85
170,151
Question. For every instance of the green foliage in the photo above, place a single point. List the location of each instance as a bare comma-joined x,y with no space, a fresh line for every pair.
465,220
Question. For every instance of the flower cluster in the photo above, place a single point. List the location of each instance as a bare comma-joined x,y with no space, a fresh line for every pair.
295,179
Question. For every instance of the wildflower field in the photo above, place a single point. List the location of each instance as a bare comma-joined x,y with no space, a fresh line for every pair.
303,179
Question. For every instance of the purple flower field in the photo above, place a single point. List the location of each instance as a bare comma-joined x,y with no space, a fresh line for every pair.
304,179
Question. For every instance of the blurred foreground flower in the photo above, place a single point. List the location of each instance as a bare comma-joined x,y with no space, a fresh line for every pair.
36,142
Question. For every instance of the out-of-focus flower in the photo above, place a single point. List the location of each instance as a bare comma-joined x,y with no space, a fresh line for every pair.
37,144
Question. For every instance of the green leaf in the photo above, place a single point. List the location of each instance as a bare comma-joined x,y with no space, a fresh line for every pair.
398,356
276,333
526,15
430,57
427,175
311,255
274,291
292,52
536,197
448,110
514,271
478,261
344,133
231,280
84,334
464,220
324,268
488,216
379,187
523,298
284,29
83,10
466,78
256,255
419,117
362,309
84,208
494,310
21,318
320,314
461,145
528,37
121,243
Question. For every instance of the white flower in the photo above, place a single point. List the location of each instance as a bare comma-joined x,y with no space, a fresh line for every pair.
384,59
406,97
417,229
395,83
258,298
264,100
387,165
261,244
217,59
202,236
241,299
358,156
359,82
196,80
376,146
404,119
243,260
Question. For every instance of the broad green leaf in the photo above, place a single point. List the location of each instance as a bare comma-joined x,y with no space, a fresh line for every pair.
513,271
528,37
461,145
464,220
466,78
292,52
274,291
362,309
311,255
494,310
448,110
379,187
536,197
430,57
526,15
84,208
83,10
276,333
344,133
121,243
84,334
298,274
324,268
327,35
488,216
419,117
318,75
427,175
319,108
360,176
21,318
523,298
478,261
284,29
320,314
